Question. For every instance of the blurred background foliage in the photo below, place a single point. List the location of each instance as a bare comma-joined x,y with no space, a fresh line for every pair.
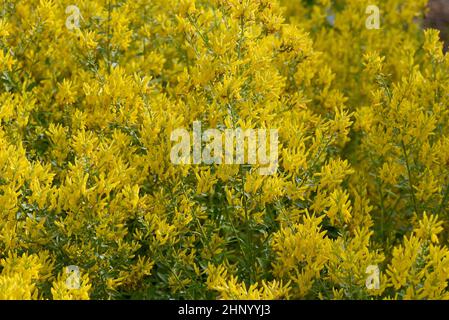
438,18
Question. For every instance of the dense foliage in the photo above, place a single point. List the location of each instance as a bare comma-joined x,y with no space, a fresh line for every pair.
86,178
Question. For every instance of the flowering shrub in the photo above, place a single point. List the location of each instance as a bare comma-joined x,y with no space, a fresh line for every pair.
89,97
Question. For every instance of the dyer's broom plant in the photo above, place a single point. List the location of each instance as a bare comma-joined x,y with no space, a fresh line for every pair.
90,92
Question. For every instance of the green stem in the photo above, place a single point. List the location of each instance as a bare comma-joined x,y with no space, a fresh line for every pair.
444,200
109,38
409,173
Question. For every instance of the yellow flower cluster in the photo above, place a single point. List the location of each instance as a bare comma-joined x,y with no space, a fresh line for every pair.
89,96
